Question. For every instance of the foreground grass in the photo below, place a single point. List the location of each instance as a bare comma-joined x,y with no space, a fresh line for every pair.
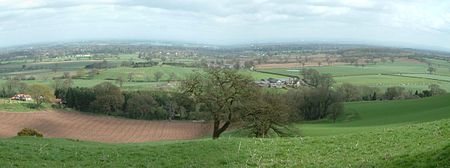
424,144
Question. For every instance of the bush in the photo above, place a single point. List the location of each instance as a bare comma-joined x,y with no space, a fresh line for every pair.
29,132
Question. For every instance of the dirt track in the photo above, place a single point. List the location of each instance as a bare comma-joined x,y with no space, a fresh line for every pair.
75,125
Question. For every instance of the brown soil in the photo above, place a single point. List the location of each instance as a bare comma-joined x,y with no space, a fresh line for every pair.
75,125
294,65
403,59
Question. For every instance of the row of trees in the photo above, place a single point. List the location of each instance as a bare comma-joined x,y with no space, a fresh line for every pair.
349,92
107,98
157,76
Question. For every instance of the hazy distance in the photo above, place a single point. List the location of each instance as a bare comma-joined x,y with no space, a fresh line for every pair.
406,23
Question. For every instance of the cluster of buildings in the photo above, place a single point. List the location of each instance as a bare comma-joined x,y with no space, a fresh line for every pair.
280,83
22,97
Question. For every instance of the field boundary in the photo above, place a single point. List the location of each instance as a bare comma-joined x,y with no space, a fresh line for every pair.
274,73
416,77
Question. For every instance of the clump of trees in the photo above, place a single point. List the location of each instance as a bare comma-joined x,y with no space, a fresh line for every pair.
12,87
107,98
266,112
314,103
142,105
41,94
349,92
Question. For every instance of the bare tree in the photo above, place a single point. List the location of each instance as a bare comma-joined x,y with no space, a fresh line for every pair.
130,76
120,81
158,75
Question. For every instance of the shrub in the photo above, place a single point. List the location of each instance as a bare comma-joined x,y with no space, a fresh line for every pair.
29,132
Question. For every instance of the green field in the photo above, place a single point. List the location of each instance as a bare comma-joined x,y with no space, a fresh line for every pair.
429,76
417,145
367,116
398,67
180,72
404,133
143,78
346,70
384,81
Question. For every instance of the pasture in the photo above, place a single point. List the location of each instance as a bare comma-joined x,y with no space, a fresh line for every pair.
367,116
385,81
411,145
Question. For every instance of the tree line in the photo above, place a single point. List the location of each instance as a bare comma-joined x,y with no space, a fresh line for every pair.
349,92
107,98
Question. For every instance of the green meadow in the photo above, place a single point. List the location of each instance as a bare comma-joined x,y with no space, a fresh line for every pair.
366,116
403,133
411,145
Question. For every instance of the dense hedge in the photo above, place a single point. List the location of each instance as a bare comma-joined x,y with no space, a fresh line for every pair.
29,132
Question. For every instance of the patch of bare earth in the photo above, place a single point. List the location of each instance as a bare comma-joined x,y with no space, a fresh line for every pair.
295,65
403,59
100,128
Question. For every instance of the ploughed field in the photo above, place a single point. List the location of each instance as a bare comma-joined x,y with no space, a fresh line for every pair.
75,125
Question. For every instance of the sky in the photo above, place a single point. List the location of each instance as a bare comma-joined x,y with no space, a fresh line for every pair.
415,23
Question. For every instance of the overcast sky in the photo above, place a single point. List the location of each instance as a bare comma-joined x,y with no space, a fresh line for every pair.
409,22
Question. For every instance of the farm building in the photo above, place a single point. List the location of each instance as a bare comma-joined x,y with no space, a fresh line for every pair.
280,83
22,97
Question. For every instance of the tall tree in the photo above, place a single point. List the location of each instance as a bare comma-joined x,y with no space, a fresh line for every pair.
221,93
143,106
313,78
130,76
436,90
172,76
158,75
12,87
265,112
108,98
349,92
81,72
41,93
431,69
120,81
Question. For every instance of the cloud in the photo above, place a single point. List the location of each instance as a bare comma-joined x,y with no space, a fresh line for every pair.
226,21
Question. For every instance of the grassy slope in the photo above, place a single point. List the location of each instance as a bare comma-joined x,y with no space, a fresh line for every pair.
366,116
385,134
409,145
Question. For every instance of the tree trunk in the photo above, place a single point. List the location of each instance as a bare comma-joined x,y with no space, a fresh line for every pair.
217,131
